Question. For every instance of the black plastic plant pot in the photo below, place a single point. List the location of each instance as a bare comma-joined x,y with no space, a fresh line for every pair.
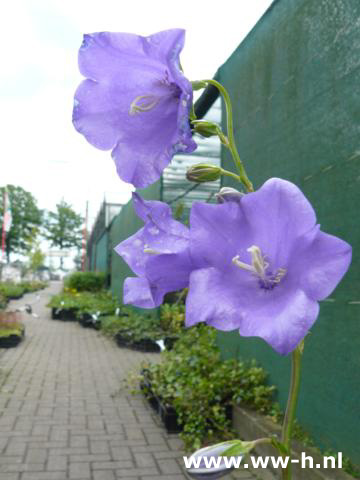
146,345
145,387
122,339
169,418
170,342
68,315
229,411
11,341
56,313
86,320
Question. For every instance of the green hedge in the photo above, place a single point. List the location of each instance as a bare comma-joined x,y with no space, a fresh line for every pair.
86,281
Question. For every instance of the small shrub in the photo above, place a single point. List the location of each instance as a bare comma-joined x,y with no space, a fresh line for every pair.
11,290
86,281
33,286
137,327
172,318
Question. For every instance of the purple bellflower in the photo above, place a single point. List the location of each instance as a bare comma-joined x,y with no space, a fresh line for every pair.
135,101
267,264
158,254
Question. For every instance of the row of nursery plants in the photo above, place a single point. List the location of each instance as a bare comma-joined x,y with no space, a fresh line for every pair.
146,332
86,307
84,299
14,291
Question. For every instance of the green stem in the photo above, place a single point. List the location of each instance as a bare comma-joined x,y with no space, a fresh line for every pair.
230,174
230,133
291,407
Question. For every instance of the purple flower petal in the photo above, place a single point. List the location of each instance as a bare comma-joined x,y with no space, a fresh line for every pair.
321,263
218,233
138,292
170,272
278,213
160,214
158,253
135,101
283,322
213,299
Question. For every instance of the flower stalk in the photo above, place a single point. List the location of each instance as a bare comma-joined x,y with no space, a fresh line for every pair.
230,134
291,406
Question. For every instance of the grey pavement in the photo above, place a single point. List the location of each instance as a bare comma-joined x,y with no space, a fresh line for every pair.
63,414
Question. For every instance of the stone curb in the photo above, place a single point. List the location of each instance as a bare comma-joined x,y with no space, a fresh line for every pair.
251,426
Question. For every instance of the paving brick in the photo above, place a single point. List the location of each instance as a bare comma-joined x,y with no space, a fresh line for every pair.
167,477
96,457
36,455
16,447
137,472
169,466
81,441
25,467
144,460
112,465
10,476
57,462
104,475
43,476
79,470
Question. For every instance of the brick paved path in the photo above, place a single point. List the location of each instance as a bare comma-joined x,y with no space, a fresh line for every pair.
62,415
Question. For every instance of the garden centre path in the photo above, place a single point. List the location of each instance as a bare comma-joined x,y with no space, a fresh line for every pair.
62,415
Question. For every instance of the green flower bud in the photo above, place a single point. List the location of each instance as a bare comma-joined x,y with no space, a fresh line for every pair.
206,129
203,172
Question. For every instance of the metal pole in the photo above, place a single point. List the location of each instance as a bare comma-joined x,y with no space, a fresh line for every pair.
3,237
85,237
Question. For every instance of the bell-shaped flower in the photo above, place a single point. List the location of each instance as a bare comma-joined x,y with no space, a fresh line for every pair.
135,101
158,254
267,265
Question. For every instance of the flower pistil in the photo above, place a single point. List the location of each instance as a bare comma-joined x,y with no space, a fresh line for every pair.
143,103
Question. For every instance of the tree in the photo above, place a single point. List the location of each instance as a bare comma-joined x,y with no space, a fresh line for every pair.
63,228
36,259
26,220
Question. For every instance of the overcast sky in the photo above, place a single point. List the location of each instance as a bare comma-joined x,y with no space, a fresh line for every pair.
39,148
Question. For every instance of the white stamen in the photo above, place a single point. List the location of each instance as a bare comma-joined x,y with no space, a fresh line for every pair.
151,251
259,266
243,265
143,103
257,260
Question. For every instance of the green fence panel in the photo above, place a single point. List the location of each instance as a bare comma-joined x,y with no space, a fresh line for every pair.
101,253
294,82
